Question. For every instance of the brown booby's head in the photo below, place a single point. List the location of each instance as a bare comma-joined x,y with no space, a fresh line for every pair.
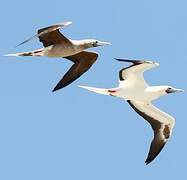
89,43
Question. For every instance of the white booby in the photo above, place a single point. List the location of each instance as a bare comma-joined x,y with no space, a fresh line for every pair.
133,88
57,45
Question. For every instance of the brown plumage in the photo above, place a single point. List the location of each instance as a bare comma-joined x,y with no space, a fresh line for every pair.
51,35
82,62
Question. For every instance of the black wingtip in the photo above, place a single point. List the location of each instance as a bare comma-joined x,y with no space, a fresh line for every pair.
27,40
56,88
147,162
23,42
118,59
18,45
129,60
150,159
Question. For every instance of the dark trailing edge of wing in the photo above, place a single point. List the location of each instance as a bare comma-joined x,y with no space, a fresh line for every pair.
157,143
153,122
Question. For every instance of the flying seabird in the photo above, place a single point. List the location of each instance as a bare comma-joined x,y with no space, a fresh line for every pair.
57,45
134,89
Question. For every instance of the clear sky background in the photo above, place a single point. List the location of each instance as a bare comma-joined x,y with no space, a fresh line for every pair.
74,134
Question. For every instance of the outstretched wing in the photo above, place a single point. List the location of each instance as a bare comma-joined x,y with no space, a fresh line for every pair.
50,35
161,123
82,62
134,73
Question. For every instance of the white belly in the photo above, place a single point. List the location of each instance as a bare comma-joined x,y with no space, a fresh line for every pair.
60,50
133,94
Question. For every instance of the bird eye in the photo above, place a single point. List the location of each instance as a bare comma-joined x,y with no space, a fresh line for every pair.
95,44
169,90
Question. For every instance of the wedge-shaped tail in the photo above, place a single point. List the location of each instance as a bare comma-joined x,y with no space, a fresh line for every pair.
98,90
38,52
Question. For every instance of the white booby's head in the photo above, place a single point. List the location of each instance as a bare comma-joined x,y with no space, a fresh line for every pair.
163,90
170,89
158,91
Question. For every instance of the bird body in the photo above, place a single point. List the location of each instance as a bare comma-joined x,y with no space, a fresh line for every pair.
134,89
62,50
59,50
146,94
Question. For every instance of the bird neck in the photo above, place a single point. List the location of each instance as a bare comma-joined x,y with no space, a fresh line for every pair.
157,90
82,44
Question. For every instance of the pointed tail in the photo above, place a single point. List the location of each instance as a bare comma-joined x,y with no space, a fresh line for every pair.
38,52
98,90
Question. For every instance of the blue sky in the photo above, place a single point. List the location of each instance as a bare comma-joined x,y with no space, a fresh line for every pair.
73,133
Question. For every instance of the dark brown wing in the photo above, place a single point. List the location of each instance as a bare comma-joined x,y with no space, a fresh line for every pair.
157,145
161,124
50,35
82,62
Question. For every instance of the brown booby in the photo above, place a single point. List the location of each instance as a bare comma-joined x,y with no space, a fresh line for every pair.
57,45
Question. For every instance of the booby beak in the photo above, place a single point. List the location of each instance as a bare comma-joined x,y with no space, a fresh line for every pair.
102,43
174,90
155,63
